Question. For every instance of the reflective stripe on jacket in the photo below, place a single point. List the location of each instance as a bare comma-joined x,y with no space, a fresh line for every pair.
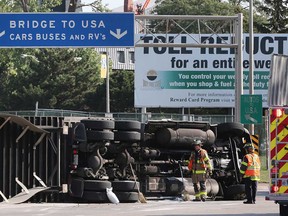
199,164
250,167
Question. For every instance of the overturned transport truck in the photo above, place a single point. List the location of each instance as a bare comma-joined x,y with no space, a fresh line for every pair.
74,159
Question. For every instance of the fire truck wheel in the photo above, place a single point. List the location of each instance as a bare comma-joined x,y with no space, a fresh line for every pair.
96,185
130,136
127,125
98,124
235,192
127,197
229,129
99,135
95,196
283,209
125,186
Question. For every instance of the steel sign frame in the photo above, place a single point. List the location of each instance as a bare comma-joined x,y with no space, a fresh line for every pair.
52,30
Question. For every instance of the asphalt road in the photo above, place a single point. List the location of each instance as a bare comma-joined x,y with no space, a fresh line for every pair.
151,208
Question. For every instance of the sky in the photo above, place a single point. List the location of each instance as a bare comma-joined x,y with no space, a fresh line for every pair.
110,3
113,3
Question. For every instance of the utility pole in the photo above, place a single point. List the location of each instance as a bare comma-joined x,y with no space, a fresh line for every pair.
251,57
107,83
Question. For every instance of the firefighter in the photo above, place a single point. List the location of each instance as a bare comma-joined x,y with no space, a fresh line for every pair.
250,169
200,166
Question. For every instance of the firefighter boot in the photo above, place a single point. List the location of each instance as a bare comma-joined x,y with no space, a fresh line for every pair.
203,198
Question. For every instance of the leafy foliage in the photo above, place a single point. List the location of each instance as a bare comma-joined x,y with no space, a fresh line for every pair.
121,86
56,78
122,91
277,12
28,5
206,7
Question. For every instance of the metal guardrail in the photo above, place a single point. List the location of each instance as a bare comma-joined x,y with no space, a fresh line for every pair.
213,119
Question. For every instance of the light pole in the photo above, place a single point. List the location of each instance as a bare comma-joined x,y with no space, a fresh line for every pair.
251,57
107,82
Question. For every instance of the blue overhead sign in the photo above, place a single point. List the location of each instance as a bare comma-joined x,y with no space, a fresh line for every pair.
66,30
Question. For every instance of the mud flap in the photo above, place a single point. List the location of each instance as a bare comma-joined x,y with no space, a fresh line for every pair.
23,196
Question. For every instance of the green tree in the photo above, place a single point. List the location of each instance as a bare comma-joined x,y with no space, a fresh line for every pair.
56,78
28,5
121,90
277,12
191,7
205,7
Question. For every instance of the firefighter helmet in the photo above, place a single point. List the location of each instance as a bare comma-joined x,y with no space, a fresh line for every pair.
197,142
248,146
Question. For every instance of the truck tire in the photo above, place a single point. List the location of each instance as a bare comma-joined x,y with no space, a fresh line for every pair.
76,187
125,186
96,185
95,196
127,197
127,125
225,130
235,192
283,209
99,135
79,132
130,136
98,124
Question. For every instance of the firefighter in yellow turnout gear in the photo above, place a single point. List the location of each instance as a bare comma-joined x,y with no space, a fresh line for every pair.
200,166
250,169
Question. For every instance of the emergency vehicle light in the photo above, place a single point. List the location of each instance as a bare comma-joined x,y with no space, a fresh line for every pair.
274,188
274,170
277,113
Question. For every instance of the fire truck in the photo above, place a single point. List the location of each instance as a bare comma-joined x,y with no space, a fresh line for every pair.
278,129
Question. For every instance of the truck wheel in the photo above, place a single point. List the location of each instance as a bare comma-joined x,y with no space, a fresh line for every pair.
95,196
76,187
98,124
127,125
96,185
229,129
131,136
125,186
127,197
235,192
283,209
99,135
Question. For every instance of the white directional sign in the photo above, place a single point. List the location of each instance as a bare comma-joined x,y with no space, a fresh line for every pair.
67,30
